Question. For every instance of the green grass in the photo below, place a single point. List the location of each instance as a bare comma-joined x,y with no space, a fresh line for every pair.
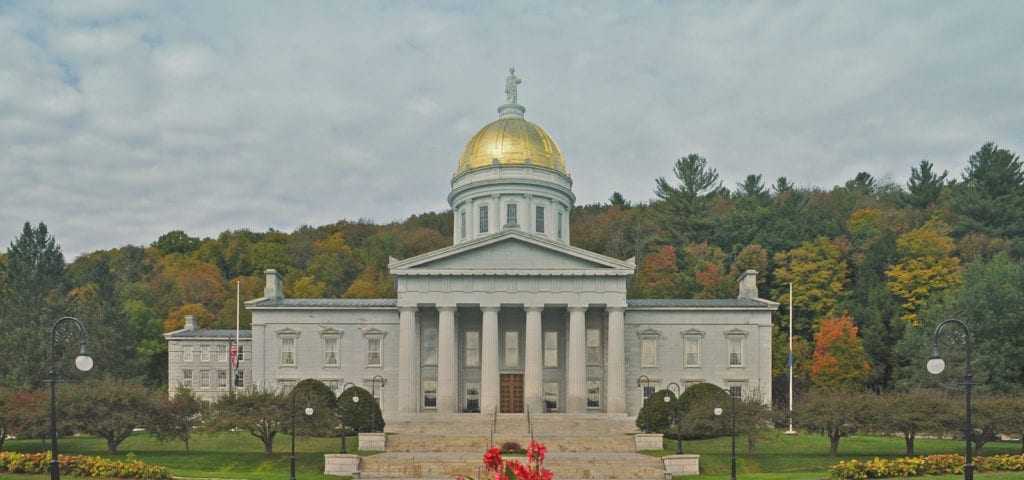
238,455
805,456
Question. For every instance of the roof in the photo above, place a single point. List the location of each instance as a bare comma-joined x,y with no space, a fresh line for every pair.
726,303
209,333
323,303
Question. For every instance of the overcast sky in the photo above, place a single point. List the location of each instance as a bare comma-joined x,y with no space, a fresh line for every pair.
121,121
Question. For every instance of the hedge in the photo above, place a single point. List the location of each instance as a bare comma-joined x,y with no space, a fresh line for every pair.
918,466
81,466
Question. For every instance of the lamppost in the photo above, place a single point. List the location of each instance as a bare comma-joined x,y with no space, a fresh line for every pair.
679,417
341,405
308,412
83,362
718,411
373,393
936,365
647,384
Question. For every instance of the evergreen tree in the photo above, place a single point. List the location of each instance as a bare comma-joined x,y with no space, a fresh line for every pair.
924,186
685,210
991,195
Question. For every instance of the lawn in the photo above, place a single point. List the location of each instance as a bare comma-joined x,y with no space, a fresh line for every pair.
238,455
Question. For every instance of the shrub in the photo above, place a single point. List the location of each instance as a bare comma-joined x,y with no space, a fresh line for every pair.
357,416
917,466
81,466
656,413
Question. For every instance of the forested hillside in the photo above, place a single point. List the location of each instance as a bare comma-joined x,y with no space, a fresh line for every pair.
882,261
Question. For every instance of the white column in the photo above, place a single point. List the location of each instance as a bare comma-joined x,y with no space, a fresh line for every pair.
533,380
616,361
489,361
576,371
447,375
408,361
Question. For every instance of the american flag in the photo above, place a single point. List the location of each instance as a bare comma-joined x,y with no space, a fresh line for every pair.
234,355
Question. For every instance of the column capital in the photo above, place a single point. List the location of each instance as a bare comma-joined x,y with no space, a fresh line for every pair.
446,308
490,308
577,308
616,309
533,308
408,308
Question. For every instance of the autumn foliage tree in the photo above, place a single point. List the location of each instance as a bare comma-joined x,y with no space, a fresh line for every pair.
926,266
818,271
839,362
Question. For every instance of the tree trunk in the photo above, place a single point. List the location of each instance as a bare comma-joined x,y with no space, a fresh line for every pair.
186,444
833,443
112,444
909,440
751,445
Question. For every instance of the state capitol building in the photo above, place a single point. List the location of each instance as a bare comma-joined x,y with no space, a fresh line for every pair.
510,317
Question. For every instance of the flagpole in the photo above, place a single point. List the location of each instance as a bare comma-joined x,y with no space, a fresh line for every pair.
790,361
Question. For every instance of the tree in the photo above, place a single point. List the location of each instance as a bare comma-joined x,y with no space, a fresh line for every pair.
839,362
911,413
174,418
27,414
697,405
924,186
34,283
358,416
684,210
658,276
5,423
818,271
705,272
176,241
656,414
991,195
261,413
109,408
836,414
926,266
374,282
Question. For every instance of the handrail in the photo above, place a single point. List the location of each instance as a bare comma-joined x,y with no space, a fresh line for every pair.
529,423
494,426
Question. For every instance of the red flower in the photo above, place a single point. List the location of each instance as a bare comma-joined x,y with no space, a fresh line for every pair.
536,451
493,459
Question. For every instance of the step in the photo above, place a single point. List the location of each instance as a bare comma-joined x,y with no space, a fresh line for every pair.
564,465
615,442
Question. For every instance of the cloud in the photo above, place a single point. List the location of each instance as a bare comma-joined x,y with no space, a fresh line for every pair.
121,121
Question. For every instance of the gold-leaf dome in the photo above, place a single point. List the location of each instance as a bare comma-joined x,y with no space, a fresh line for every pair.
511,140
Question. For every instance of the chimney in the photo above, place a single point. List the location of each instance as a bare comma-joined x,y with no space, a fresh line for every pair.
748,285
191,323
275,285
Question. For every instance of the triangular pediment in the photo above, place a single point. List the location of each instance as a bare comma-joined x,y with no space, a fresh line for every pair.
511,252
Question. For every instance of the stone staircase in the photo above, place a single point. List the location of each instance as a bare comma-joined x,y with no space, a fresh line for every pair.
444,446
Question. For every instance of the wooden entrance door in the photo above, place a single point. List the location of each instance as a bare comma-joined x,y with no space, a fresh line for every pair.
511,393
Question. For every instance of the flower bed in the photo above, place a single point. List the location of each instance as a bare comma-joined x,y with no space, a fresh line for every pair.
80,466
918,466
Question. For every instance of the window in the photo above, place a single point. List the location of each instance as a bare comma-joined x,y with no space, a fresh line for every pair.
287,350
373,352
511,348
593,394
187,353
551,396
186,377
691,350
204,379
204,353
462,224
430,393
429,345
559,225
648,350
334,385
331,351
648,391
286,386
511,216
240,348
239,378
736,391
551,349
735,340
472,396
222,353
222,379
484,220
539,220
472,348
594,346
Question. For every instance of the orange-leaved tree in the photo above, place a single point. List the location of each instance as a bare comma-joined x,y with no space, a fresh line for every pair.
839,362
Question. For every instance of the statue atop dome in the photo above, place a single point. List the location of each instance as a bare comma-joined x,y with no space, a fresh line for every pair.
511,89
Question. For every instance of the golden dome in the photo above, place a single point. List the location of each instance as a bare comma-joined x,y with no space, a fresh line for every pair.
511,140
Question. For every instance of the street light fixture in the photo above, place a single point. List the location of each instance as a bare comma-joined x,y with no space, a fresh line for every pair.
341,405
647,384
936,365
309,412
83,362
718,412
679,417
373,395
